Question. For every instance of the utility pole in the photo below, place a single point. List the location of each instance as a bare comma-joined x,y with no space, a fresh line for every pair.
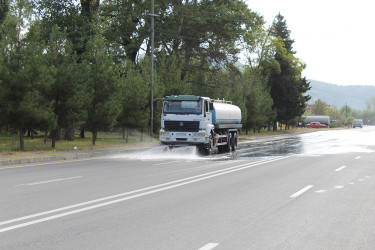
152,70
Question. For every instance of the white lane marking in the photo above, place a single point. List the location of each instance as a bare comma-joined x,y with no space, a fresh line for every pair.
340,168
49,181
164,163
339,187
209,246
320,191
358,157
301,191
168,185
351,183
361,179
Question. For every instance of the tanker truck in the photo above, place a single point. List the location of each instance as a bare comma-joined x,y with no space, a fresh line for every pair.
189,120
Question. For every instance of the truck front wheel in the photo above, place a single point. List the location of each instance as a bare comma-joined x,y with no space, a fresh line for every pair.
208,146
206,149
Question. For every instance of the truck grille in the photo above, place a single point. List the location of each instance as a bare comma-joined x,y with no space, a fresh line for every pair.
188,126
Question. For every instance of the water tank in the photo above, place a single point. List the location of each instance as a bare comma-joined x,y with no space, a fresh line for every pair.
225,113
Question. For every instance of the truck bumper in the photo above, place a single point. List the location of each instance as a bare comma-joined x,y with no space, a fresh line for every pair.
183,138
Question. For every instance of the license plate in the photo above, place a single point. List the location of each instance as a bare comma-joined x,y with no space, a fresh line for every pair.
180,134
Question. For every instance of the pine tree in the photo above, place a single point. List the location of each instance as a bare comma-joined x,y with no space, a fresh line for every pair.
286,84
104,88
24,105
66,79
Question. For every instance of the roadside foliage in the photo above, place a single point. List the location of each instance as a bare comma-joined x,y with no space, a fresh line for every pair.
84,65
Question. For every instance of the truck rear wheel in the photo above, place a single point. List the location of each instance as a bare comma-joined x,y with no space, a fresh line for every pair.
234,142
226,148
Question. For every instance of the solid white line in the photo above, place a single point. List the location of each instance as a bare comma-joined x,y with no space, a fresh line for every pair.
209,246
339,187
339,169
358,157
43,182
169,185
301,191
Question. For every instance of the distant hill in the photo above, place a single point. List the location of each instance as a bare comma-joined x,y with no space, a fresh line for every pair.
353,95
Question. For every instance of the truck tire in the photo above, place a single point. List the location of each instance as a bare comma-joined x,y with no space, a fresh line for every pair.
234,142
206,149
226,148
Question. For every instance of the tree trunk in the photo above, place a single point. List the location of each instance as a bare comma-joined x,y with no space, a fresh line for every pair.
275,126
53,137
127,135
123,133
69,133
141,134
22,142
45,137
61,134
94,135
82,134
14,139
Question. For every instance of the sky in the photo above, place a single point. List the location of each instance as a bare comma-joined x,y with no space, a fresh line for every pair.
334,38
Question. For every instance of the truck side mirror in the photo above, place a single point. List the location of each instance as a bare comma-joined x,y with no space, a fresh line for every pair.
211,106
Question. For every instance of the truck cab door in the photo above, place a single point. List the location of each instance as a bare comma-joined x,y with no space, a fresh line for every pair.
207,112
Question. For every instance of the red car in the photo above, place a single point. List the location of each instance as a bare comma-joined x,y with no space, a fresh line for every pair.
315,125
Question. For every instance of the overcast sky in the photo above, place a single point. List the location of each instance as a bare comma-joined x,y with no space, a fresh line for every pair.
336,39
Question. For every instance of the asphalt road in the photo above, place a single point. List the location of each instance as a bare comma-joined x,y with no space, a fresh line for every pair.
319,195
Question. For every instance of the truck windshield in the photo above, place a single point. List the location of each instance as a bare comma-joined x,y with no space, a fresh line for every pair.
182,107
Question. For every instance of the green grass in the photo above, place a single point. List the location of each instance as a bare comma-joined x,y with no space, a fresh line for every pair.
9,144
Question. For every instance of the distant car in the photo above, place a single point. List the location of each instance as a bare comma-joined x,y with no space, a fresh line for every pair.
315,125
357,123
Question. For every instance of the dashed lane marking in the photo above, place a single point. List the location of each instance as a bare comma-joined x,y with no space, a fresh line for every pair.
340,168
301,191
209,246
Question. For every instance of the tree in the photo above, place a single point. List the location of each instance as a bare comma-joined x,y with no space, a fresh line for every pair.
24,105
126,25
259,102
280,29
370,103
203,35
104,88
319,107
4,8
66,79
286,83
135,99
78,21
